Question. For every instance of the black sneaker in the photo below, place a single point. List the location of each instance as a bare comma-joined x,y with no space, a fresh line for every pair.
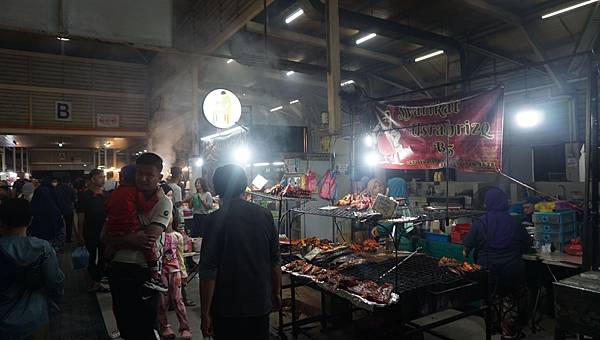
156,284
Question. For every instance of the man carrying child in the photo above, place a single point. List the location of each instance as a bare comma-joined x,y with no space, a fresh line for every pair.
134,304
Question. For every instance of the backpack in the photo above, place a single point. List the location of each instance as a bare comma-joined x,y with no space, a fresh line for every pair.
328,186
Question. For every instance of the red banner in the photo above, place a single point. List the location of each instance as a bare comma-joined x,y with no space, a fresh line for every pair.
416,135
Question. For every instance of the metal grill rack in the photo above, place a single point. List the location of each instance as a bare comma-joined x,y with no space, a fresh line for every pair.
417,272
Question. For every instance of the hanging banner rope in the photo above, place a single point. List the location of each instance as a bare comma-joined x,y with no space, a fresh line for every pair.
418,134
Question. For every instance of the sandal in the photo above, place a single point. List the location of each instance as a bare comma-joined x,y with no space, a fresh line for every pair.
189,303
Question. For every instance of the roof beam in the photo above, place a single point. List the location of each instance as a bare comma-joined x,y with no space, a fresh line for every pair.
416,79
510,18
318,42
587,38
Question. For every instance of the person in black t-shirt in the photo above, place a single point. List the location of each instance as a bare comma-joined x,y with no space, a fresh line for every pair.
244,286
91,215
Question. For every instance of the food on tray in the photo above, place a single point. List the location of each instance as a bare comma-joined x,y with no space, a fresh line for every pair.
457,267
356,201
367,246
368,290
372,291
351,263
289,190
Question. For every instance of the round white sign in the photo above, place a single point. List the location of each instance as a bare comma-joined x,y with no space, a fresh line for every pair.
222,108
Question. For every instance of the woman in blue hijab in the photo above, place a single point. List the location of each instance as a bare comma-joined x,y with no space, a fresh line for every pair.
498,242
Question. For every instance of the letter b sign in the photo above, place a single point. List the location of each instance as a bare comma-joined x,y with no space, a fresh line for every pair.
62,111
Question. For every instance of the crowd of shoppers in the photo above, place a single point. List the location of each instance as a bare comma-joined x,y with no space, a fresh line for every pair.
135,237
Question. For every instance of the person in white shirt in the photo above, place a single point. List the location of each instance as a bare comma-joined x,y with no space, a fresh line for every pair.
110,183
173,182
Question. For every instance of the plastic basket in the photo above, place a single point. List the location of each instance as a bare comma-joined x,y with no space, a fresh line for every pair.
440,249
437,237
562,217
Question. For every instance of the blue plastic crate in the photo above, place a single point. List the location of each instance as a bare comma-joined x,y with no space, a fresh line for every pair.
555,228
437,237
562,217
558,240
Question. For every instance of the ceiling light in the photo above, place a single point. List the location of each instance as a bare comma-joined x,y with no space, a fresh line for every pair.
289,73
241,155
372,159
229,61
63,39
185,168
368,140
276,108
427,56
60,144
365,38
199,162
261,164
278,163
566,9
294,16
347,82
145,150
528,117
294,101
85,165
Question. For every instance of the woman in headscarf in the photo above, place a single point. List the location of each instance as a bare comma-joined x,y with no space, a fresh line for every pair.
498,242
47,220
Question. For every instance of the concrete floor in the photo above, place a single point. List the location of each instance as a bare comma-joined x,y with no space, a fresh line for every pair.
465,329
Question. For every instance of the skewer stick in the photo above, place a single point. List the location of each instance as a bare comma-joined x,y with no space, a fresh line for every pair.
401,262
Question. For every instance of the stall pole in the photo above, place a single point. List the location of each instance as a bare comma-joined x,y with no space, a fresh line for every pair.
14,163
22,169
3,159
105,158
591,241
333,67
114,160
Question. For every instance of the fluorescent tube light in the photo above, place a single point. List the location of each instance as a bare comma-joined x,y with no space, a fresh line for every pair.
294,101
365,38
430,55
229,61
63,39
294,16
289,73
276,108
347,82
566,9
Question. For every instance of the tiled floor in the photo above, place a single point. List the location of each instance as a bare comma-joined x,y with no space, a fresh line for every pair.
80,317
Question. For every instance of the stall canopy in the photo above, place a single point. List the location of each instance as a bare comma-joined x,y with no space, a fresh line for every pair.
416,135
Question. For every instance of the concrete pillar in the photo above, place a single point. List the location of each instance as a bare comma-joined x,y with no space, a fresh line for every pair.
22,169
14,163
3,159
114,158
333,68
105,158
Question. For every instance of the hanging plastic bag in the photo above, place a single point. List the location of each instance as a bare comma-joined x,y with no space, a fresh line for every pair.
328,186
311,181
80,258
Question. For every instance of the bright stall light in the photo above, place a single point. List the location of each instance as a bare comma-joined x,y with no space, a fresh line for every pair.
261,164
63,39
365,38
145,150
527,118
241,155
185,168
368,140
199,162
294,16
60,144
566,9
372,159
294,101
276,108
229,61
229,132
289,73
427,56
277,163
347,82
